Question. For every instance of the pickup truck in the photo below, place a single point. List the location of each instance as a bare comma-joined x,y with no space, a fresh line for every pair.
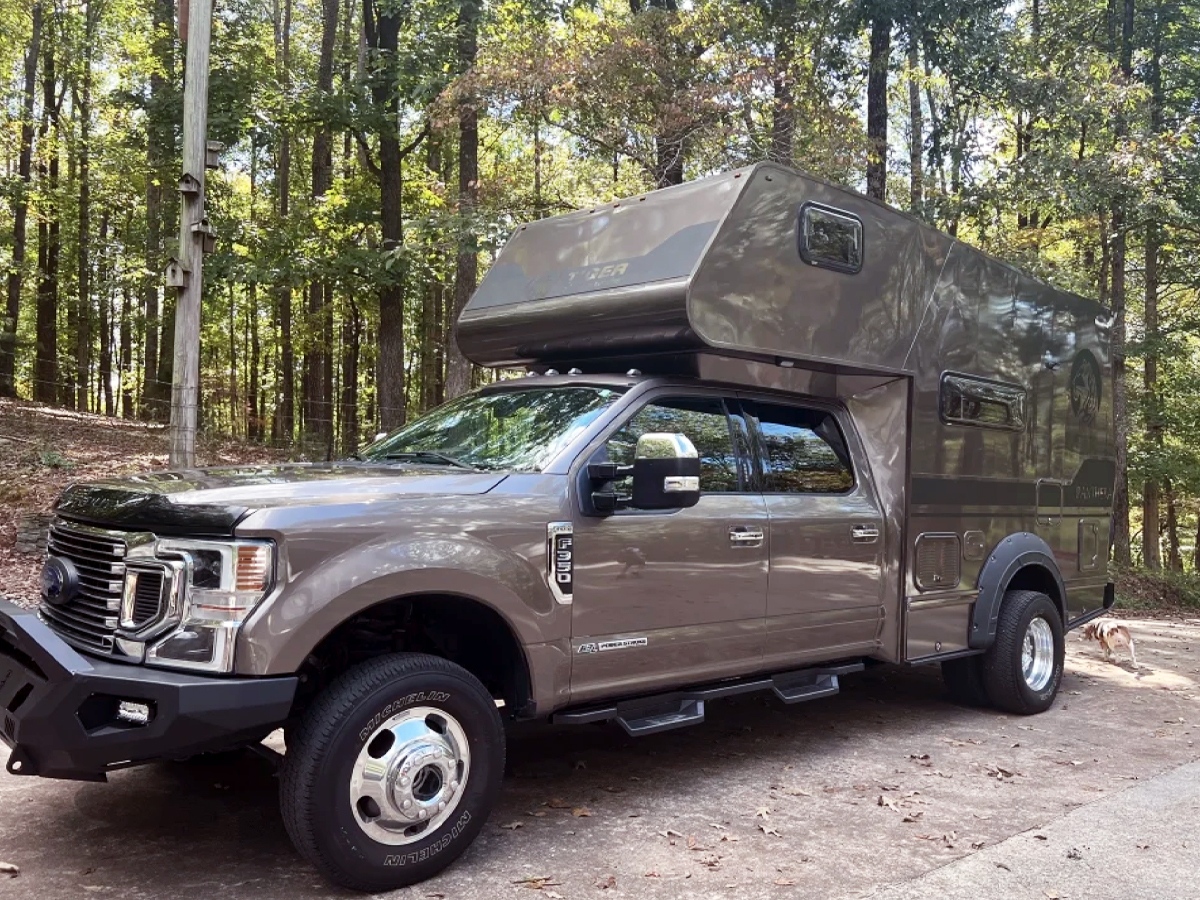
771,432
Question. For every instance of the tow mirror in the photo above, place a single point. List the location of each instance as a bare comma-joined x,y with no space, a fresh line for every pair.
666,472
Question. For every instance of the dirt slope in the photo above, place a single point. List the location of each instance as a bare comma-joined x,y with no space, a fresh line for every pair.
42,450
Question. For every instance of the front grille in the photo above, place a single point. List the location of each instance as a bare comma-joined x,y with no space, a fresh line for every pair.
89,619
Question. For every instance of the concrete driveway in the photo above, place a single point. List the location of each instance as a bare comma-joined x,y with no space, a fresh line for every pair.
886,790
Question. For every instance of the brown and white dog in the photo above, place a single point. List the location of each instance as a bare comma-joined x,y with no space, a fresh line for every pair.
1110,635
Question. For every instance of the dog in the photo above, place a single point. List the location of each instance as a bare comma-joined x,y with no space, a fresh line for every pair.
1110,635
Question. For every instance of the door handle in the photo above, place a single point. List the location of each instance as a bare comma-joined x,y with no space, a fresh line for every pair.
864,534
743,536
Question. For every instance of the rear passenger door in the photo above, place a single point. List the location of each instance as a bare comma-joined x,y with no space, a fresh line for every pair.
824,591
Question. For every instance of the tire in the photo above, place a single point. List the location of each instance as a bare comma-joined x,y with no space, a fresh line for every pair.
439,709
964,680
1005,677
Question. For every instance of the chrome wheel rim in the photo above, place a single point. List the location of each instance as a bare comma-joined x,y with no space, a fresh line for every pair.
1037,654
410,775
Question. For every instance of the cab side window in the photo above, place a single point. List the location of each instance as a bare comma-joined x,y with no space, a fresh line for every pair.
803,451
703,420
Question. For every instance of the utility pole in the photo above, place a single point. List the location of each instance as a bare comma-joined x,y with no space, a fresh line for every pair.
187,273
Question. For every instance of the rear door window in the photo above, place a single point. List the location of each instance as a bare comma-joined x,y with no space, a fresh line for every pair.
801,450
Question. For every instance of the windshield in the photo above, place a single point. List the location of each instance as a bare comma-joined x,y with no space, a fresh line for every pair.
519,430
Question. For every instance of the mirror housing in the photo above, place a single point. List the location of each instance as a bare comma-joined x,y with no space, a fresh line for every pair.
666,472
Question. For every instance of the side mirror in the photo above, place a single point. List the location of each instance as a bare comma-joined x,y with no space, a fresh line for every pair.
666,472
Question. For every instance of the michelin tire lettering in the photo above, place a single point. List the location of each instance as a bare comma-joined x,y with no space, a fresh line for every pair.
397,705
417,856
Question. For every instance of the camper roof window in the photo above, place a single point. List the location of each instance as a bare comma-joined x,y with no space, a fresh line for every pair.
968,400
831,239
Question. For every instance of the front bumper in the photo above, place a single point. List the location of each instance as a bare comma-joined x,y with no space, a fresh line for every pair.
58,707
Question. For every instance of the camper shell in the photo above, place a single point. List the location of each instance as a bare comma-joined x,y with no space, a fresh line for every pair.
982,396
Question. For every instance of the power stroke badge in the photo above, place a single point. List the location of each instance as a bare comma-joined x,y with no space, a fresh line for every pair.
560,560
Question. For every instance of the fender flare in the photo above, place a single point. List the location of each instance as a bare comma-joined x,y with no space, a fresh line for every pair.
1015,552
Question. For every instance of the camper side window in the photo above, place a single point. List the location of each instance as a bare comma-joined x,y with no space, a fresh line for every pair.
803,451
831,239
967,400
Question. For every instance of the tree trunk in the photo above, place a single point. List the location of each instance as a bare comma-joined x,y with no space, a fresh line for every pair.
783,105
383,35
1151,553
8,333
458,373
1121,550
283,427
45,371
106,349
877,108
1151,520
83,318
916,133
431,298
351,335
318,370
160,157
1174,560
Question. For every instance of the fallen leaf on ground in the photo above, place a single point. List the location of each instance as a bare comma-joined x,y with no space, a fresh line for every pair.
769,830
796,792
513,826
729,837
605,883
912,816
9,869
558,803
887,801
764,812
538,882
536,813
581,812
976,845
670,832
784,882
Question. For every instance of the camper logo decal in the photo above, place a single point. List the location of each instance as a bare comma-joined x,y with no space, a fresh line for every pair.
1085,386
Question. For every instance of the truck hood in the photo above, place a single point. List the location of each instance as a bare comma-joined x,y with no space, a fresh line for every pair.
210,502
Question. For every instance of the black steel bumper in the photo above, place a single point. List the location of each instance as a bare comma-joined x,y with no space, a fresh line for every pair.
58,708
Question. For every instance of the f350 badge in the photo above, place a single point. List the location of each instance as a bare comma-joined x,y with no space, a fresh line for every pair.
560,560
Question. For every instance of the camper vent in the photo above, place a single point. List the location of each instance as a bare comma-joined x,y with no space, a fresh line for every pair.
938,562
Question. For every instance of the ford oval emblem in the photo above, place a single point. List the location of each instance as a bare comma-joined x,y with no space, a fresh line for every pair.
60,581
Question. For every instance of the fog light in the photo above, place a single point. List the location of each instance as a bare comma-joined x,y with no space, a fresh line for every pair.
133,713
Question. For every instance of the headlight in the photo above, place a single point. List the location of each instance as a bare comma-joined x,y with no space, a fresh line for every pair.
225,581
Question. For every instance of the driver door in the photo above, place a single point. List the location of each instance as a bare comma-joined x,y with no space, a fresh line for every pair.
665,598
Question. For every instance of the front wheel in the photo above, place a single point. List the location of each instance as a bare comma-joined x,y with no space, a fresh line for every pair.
1023,668
392,771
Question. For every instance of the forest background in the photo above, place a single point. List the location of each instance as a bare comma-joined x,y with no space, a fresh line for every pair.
377,153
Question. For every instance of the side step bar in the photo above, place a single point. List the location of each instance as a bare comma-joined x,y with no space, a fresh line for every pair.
640,716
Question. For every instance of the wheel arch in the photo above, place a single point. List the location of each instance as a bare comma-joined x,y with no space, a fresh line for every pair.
457,627
1021,561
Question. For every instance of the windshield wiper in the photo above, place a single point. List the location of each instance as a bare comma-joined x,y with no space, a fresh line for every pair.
428,456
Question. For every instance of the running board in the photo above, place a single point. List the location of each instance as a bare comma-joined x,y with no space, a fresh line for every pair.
640,716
